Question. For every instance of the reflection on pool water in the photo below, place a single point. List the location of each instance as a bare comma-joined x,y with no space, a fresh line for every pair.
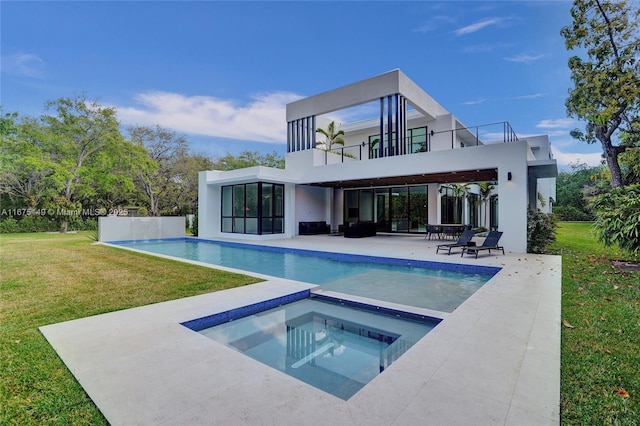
337,347
422,284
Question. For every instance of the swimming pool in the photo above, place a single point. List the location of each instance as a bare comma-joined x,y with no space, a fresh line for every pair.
335,346
431,285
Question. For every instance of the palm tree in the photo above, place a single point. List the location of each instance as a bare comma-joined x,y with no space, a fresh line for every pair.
486,188
332,137
460,192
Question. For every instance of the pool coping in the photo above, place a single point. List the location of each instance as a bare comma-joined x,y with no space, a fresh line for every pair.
494,360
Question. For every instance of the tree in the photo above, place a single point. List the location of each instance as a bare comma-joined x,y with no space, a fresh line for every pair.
186,192
158,175
607,85
78,130
541,230
486,188
113,172
618,218
331,136
630,164
248,159
25,164
460,193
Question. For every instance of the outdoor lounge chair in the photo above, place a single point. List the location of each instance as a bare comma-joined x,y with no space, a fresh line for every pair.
463,241
490,243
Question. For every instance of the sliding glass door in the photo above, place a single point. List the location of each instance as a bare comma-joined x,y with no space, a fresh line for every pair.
396,209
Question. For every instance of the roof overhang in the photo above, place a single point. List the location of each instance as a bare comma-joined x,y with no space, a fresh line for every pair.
465,176
542,169
374,88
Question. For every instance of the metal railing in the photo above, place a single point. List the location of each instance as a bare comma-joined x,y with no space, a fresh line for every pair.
506,132
470,137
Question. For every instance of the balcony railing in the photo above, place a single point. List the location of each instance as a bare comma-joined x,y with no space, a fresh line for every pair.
460,138
503,133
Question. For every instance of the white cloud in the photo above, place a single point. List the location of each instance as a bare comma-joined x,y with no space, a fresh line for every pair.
557,123
24,64
263,119
478,26
524,59
425,28
592,159
485,47
532,96
475,102
434,23
482,100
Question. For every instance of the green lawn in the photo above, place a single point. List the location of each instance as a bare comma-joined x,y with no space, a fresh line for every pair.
49,278
600,367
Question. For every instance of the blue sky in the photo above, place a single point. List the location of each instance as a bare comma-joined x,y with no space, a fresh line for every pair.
221,73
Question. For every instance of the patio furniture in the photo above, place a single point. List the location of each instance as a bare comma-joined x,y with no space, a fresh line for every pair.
463,241
313,228
453,230
433,230
490,243
360,229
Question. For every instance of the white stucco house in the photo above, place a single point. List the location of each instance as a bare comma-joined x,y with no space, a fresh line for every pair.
413,164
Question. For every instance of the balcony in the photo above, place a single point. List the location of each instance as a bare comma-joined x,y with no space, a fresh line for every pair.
461,137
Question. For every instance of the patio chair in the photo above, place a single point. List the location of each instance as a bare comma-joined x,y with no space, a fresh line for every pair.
490,243
463,241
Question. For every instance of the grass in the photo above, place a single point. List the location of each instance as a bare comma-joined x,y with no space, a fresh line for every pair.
600,350
50,278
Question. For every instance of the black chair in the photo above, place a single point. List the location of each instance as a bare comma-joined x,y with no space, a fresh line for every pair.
463,241
433,230
490,243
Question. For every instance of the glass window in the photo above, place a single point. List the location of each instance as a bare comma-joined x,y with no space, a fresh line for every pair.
267,225
418,209
399,209
351,206
279,200
365,205
493,212
251,208
278,225
238,225
251,225
267,199
227,203
451,206
418,139
238,201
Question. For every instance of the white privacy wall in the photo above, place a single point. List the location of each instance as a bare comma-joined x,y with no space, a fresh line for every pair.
115,228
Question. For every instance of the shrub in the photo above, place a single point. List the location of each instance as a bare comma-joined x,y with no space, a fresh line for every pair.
9,226
618,218
572,214
28,224
36,223
541,231
194,225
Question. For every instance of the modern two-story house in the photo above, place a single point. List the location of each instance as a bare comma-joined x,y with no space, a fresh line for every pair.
410,165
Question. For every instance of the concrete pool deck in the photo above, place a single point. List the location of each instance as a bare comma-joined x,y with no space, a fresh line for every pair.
493,360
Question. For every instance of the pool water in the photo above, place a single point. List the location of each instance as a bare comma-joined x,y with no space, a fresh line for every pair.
333,346
431,285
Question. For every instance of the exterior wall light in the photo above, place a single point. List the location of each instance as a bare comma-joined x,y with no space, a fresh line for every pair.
509,176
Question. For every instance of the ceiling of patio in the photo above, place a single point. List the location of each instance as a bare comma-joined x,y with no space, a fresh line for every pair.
485,175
